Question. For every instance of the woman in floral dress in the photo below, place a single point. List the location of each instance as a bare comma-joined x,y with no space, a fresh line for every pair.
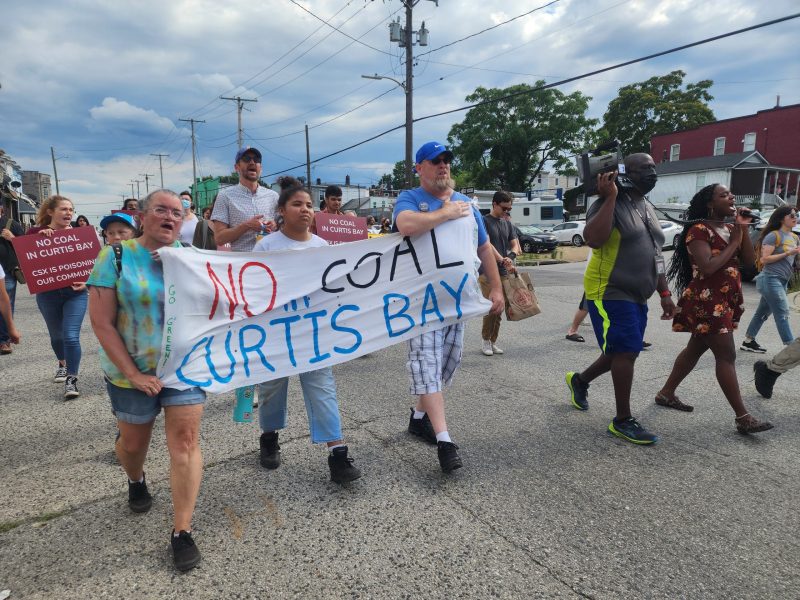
705,271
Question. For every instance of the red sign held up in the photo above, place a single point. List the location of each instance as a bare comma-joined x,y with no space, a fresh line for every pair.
338,229
51,263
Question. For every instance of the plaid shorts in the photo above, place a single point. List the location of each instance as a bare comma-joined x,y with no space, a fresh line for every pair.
433,359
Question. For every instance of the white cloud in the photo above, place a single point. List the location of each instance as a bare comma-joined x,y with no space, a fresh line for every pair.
115,114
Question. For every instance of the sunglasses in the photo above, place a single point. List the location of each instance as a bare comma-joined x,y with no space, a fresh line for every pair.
248,158
441,159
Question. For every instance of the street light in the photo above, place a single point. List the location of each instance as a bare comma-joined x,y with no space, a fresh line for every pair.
409,126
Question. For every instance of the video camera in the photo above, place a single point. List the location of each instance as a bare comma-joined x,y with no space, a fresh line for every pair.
603,159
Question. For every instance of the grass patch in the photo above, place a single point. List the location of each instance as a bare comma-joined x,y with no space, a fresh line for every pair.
38,520
9,525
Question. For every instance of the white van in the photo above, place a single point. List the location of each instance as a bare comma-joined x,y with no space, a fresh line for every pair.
542,212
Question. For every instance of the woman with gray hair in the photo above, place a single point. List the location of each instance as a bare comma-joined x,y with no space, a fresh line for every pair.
126,306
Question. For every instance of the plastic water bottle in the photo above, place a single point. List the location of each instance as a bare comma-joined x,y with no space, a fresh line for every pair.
243,409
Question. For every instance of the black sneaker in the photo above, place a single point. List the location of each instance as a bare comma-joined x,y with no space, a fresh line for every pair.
61,374
421,428
629,429
765,378
579,391
752,346
449,459
184,552
341,466
71,388
139,499
270,450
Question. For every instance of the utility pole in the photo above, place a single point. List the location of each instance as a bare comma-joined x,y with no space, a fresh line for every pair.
147,177
308,162
239,105
194,159
404,36
133,194
160,167
55,172
138,191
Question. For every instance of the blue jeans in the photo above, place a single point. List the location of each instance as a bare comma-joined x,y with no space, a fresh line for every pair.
11,289
319,393
773,302
63,311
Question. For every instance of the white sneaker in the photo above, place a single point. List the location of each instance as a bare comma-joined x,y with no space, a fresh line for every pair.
487,348
496,350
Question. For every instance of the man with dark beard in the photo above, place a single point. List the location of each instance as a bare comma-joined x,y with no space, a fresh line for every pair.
625,268
434,356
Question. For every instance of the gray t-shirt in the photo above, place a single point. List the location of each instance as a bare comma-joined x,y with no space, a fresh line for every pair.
501,232
624,268
783,242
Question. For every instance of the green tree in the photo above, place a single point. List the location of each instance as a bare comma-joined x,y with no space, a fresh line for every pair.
658,105
506,142
397,179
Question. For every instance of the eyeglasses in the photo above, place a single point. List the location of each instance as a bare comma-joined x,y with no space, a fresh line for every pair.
441,159
248,158
163,211
506,210
792,215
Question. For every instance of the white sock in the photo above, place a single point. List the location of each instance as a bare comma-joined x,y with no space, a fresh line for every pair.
178,533
332,448
443,436
419,414
140,480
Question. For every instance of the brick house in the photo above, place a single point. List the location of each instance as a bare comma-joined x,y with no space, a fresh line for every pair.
773,133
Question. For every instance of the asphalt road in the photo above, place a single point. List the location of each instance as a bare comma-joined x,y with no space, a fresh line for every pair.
548,504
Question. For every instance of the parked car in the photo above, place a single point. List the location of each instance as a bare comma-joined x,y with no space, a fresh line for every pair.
570,232
533,239
672,233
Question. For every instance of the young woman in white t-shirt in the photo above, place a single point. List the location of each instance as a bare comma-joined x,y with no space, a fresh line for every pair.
295,215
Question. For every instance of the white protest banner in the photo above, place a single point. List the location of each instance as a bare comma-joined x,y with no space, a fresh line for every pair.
239,318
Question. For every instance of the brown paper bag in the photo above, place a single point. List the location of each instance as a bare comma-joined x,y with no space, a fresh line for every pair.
520,297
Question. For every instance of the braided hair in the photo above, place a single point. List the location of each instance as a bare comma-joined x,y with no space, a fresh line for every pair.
680,266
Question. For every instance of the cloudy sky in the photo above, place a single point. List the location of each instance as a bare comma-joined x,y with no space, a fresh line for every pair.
105,82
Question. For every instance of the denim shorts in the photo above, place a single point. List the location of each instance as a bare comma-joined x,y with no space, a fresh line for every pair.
133,406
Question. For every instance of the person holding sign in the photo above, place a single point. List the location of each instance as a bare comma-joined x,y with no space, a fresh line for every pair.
434,356
127,313
63,309
295,214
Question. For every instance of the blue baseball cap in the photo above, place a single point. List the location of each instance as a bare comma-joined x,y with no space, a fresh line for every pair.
432,150
119,217
244,151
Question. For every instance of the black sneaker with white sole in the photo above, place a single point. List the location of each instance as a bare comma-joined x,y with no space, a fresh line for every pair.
61,374
71,388
752,346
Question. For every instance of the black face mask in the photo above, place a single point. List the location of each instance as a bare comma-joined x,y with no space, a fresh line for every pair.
646,183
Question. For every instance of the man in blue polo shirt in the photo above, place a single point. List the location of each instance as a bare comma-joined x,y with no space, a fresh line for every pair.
434,356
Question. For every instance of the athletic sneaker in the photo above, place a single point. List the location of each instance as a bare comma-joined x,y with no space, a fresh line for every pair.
139,498
486,348
71,388
496,350
752,346
422,428
629,429
270,450
765,378
341,466
61,374
449,459
579,391
184,552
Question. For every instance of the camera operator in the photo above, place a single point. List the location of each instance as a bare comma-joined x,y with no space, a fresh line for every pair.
625,268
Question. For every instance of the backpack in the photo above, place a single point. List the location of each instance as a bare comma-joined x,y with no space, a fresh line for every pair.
779,243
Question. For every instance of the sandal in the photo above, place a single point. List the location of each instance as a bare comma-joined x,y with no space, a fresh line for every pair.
673,402
749,424
575,337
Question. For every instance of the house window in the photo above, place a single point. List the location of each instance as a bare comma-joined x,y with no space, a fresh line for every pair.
556,181
700,181
719,146
548,212
526,211
749,142
674,152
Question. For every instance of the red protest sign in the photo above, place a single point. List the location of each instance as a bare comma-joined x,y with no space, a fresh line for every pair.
338,229
54,262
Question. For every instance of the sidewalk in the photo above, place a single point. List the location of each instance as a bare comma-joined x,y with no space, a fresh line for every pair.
548,504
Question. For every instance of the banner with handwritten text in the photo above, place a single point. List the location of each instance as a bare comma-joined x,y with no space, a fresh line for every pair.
235,319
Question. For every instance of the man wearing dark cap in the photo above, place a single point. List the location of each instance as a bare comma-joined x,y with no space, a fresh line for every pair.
434,356
244,212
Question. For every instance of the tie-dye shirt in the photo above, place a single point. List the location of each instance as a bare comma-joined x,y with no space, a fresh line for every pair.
140,305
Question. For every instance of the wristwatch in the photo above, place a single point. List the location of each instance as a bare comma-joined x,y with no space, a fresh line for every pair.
512,255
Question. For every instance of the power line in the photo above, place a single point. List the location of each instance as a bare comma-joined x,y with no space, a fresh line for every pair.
477,33
339,30
550,85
